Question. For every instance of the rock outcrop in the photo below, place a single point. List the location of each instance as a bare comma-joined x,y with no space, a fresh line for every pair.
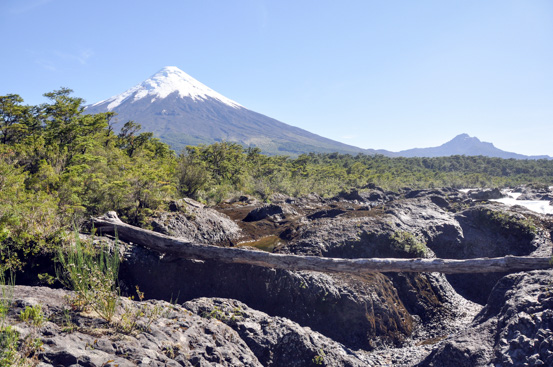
176,338
486,194
433,223
237,314
194,221
358,311
276,341
514,329
204,332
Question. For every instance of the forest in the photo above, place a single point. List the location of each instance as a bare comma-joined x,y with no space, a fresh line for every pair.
59,166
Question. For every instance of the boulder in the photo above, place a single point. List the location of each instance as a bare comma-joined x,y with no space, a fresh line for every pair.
276,341
194,221
485,194
514,329
175,337
269,211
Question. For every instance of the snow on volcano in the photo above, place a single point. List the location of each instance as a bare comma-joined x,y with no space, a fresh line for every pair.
168,80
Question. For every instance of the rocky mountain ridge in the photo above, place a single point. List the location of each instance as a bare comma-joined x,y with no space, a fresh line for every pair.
464,144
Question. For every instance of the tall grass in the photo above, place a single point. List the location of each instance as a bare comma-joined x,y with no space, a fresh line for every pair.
93,275
9,337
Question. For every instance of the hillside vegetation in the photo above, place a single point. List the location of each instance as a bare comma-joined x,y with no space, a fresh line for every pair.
59,166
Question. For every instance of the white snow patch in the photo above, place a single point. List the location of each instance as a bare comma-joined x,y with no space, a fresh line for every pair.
169,80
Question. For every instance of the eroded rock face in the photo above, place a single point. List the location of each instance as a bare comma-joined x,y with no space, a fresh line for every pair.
514,329
194,221
358,311
445,222
276,341
487,231
177,338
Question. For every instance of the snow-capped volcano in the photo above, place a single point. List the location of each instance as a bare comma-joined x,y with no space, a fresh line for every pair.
182,111
168,80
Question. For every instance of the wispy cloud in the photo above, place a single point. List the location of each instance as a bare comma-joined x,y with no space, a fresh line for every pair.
46,64
81,56
27,6
55,59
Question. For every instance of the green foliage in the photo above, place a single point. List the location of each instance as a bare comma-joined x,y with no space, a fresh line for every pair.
216,172
59,166
319,358
139,316
93,276
9,336
409,243
32,315
222,315
505,222
9,340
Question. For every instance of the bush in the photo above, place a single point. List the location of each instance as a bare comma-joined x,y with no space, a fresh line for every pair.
93,275
409,243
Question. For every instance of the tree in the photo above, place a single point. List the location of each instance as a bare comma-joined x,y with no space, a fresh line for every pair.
13,115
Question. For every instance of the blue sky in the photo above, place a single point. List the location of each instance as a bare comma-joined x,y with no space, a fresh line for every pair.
376,74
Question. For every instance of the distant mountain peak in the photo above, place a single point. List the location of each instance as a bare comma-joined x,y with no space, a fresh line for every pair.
167,81
464,144
463,136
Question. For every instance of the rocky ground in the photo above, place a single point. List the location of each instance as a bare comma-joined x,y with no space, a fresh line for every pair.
235,314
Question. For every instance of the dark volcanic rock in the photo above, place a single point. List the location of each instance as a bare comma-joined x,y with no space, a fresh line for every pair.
428,297
176,338
194,221
514,329
264,212
326,213
357,311
485,194
487,231
276,341
533,193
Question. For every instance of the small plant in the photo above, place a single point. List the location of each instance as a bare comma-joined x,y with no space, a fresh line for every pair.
32,315
319,358
67,321
407,242
93,276
507,222
216,313
219,314
9,355
171,350
133,314
46,278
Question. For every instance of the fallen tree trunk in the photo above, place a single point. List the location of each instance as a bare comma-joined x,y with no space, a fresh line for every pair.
111,224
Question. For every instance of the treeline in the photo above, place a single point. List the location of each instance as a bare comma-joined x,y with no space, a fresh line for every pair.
59,166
